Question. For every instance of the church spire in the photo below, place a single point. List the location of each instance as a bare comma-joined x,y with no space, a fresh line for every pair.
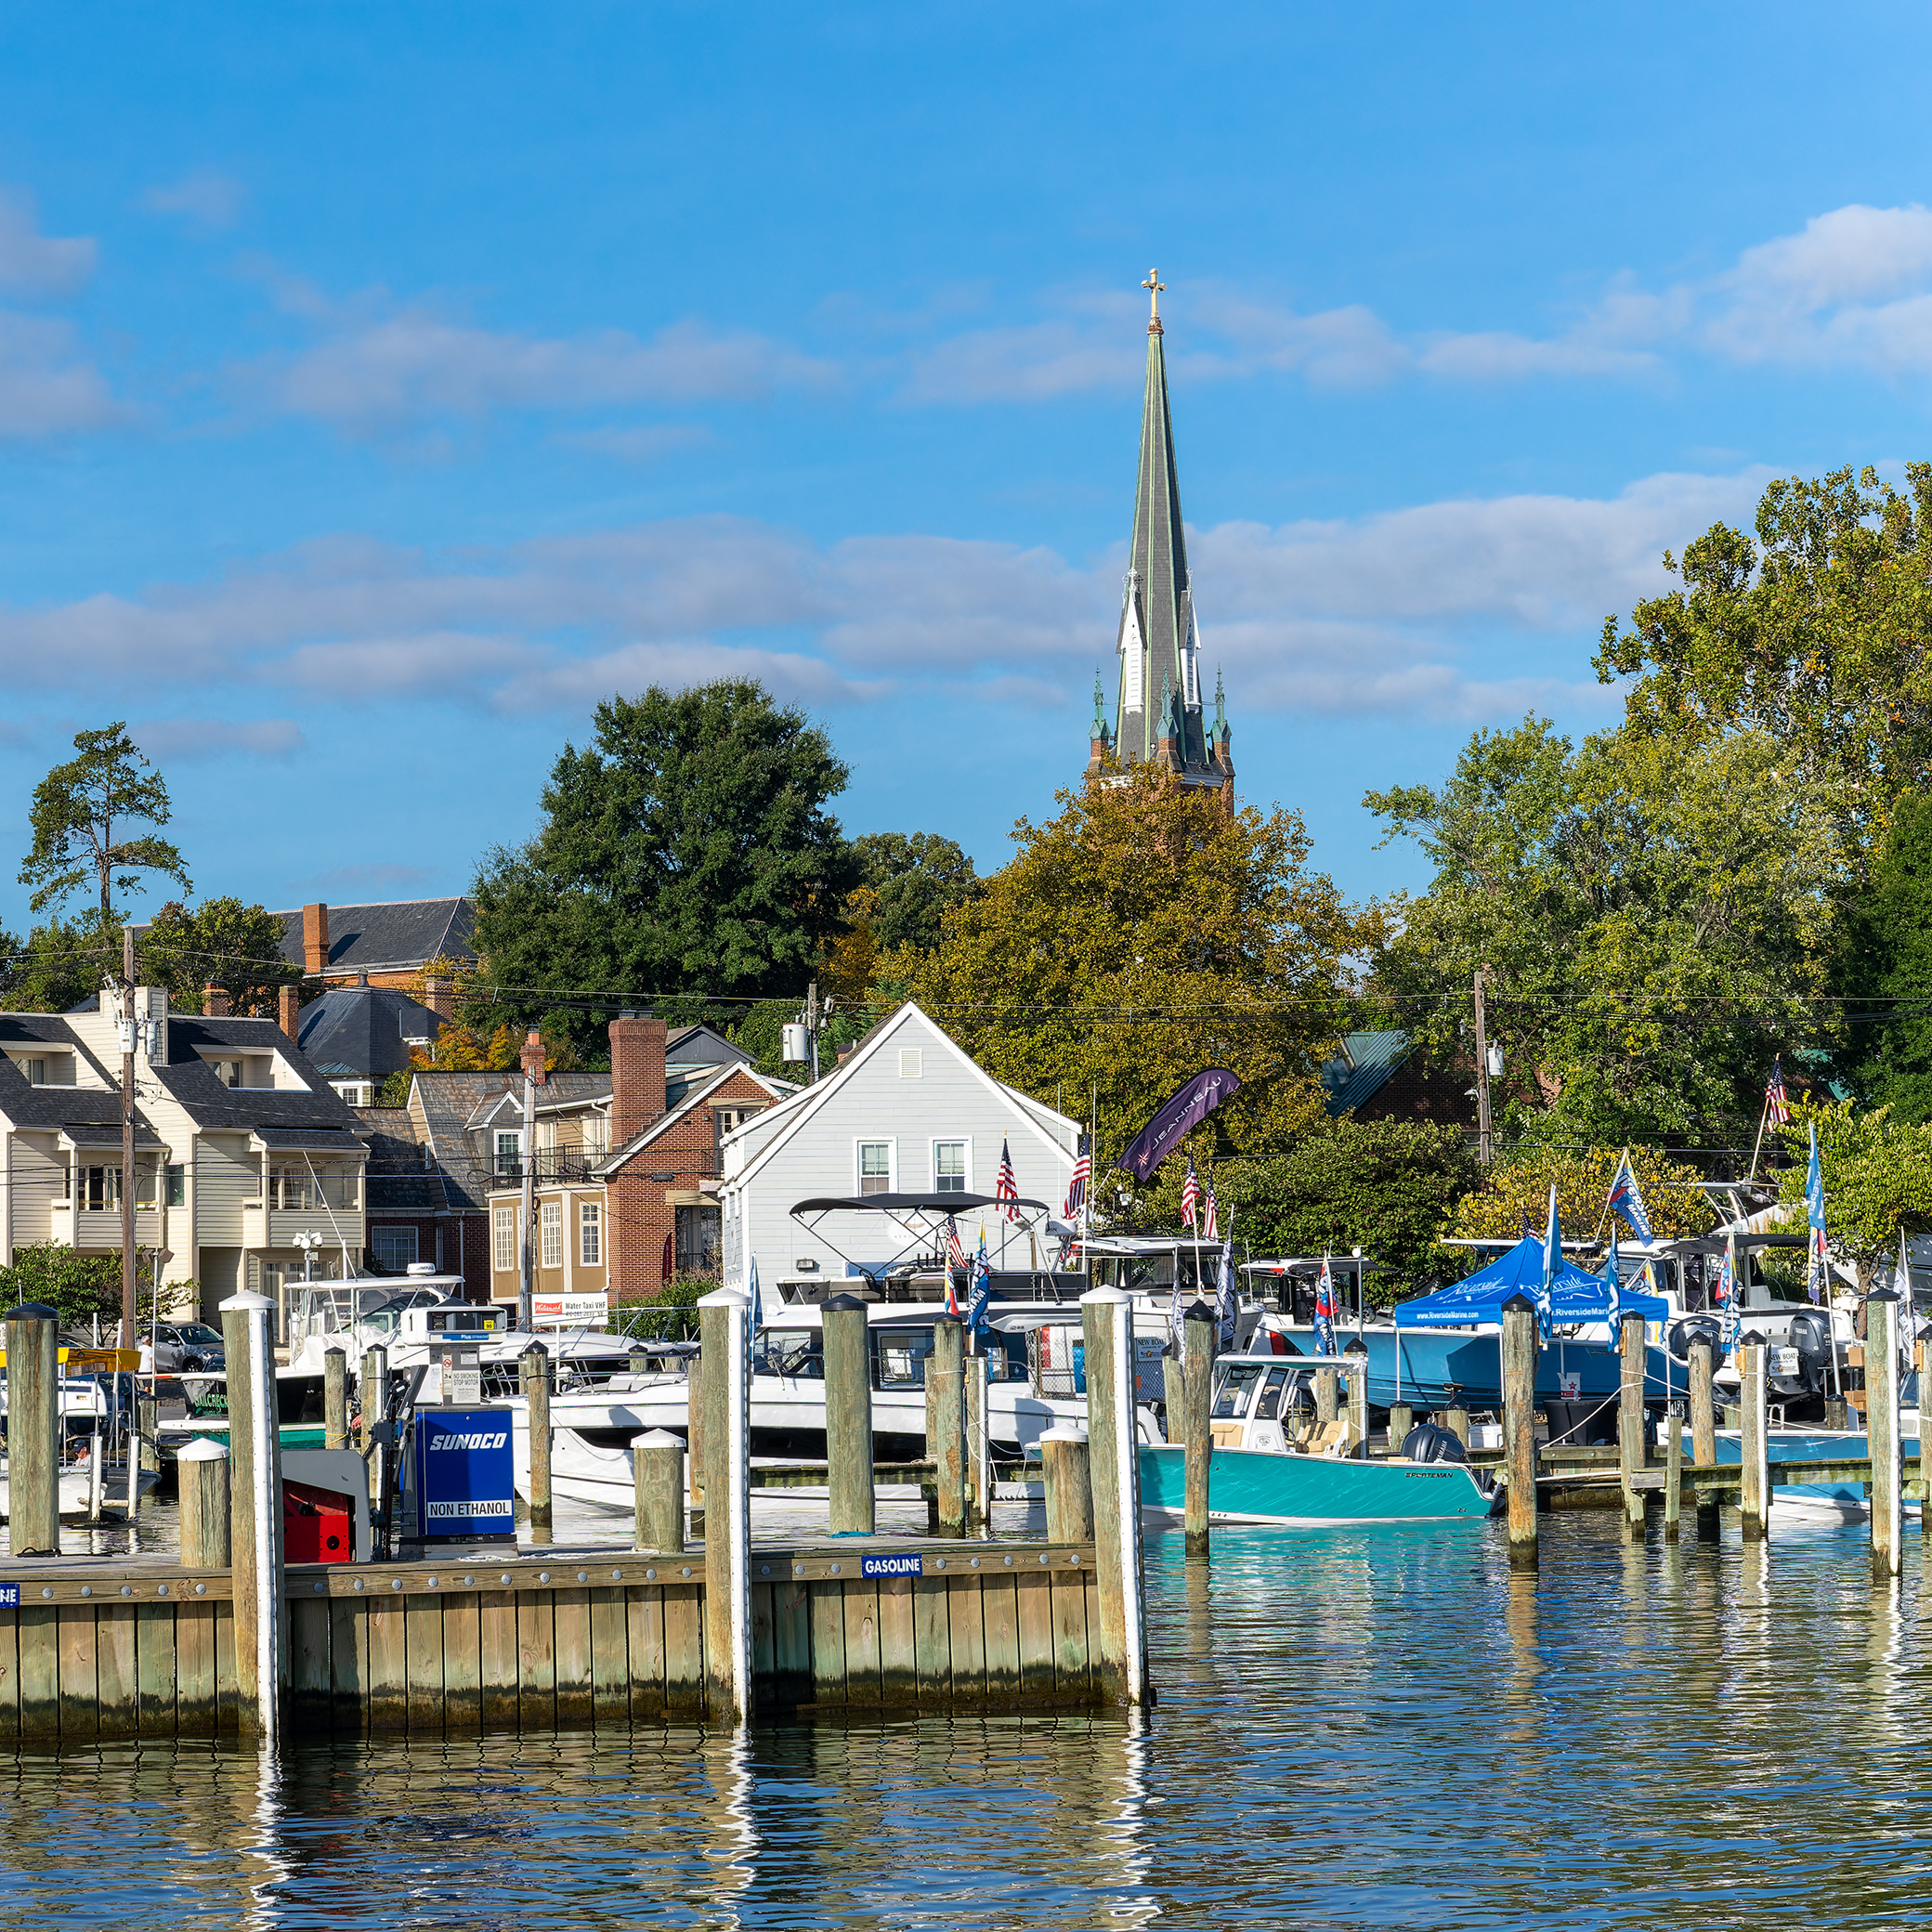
1157,641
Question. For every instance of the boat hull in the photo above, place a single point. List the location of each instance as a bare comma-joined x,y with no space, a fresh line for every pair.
1258,1486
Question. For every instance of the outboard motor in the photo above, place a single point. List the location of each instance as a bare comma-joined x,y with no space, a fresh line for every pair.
1683,1333
1426,1443
1812,1336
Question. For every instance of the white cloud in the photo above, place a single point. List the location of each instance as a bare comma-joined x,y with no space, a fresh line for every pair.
641,443
1456,610
34,264
206,198
379,371
189,741
48,386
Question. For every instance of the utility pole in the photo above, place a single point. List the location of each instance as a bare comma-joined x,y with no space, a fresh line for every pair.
1482,1148
812,1025
525,1287
129,1261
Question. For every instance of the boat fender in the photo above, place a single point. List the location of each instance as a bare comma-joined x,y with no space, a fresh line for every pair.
1426,1443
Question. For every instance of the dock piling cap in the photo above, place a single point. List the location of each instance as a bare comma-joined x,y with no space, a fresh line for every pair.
841,1304
1064,1433
203,1449
32,1311
1520,1299
658,1438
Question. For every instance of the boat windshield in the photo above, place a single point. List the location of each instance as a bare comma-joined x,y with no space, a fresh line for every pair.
789,1351
1238,1384
1269,1406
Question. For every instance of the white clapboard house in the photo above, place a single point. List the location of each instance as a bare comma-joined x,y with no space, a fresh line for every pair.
907,1113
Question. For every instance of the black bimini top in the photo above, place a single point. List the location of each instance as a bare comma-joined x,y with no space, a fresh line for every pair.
913,1204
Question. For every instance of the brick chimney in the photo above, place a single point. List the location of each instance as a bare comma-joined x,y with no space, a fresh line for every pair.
215,1002
636,1075
315,941
438,991
287,1006
531,1058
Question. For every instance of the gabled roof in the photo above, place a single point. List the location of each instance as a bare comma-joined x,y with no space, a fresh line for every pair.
1364,1067
696,1095
701,1047
193,1086
364,1030
399,1181
391,936
29,1107
559,1092
443,1099
794,1113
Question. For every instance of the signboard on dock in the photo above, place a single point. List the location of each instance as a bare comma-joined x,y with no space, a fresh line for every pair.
892,1566
466,1474
9,1595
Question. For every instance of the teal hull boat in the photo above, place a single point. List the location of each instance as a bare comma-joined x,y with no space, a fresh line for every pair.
1270,1486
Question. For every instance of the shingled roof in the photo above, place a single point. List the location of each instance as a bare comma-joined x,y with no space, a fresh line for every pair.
393,936
365,1030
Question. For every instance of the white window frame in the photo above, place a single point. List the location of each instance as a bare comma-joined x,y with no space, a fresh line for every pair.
963,1142
590,1233
892,1164
392,1229
550,1226
503,1134
503,1252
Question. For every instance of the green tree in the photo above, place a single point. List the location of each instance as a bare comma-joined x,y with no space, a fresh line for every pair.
687,850
916,879
1515,1191
1877,1176
80,815
1882,971
220,943
1384,1186
1656,918
78,1287
1819,635
1141,936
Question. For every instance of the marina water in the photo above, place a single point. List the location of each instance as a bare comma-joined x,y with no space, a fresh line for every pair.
1357,1727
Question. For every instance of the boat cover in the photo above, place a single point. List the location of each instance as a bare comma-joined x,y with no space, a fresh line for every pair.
1575,1295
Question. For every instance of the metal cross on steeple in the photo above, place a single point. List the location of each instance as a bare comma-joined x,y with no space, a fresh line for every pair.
1155,288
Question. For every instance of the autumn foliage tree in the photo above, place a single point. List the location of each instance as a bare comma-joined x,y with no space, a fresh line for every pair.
1516,1192
1141,936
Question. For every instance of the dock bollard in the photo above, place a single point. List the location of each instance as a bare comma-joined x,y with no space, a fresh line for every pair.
254,1509
1520,1427
1198,1331
945,1381
1753,1450
657,1491
1881,1433
536,1394
1631,1456
1358,1400
1068,1481
1327,1402
335,1399
1704,1429
1113,1448
848,1416
726,1315
34,1431
202,1475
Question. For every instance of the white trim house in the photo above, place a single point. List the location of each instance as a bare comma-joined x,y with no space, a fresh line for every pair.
909,1112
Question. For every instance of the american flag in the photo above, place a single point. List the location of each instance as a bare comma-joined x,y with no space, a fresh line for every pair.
1003,1189
1077,1187
1190,1196
1210,1224
1777,1103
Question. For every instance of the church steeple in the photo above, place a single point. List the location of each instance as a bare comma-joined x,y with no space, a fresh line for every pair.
1159,642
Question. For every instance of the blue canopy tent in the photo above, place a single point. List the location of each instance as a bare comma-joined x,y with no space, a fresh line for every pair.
1575,1295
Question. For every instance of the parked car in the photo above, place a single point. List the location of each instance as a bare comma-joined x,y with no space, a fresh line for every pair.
190,1347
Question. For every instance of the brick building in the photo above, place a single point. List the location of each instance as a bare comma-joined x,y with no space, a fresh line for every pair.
1383,1076
383,945
624,1182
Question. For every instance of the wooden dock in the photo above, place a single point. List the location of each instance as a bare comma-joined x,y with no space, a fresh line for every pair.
551,1639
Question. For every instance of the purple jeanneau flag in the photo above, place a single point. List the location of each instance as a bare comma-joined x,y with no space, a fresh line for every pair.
1177,1116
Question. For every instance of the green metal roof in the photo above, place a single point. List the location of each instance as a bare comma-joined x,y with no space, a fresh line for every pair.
1375,1057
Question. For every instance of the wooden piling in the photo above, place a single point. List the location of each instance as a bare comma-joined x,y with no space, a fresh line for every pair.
536,1395
724,1317
1068,1481
1197,1331
1754,1449
945,1382
1520,1427
34,1431
254,1511
848,1416
1358,1404
1673,1474
1112,1450
335,1399
658,1477
1631,1456
1327,1400
202,1476
1704,1429
1922,1356
694,1424
1401,1419
1457,1420
371,1399
1882,1307
979,1446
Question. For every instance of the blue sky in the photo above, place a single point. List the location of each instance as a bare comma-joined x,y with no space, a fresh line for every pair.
381,385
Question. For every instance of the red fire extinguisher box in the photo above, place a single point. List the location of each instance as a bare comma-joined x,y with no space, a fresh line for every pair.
318,1525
